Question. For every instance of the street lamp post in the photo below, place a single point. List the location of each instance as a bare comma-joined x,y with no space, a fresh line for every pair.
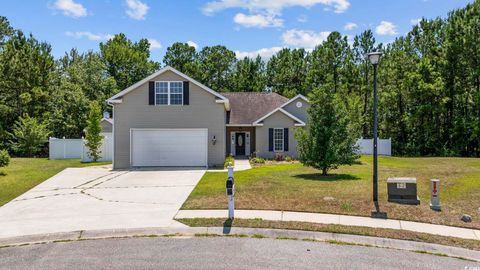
374,58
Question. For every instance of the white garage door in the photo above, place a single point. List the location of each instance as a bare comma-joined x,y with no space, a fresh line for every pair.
169,147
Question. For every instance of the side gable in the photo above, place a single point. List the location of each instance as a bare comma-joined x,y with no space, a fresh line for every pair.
298,106
300,119
118,97
295,98
106,124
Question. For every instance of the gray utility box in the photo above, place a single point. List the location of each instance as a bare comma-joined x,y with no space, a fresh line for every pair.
402,190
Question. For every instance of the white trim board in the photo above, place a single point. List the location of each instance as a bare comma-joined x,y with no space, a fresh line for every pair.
299,124
114,99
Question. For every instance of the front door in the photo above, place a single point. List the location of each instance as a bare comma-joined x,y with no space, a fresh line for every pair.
240,144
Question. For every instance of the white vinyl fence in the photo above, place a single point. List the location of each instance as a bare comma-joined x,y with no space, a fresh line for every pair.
384,146
76,149
65,148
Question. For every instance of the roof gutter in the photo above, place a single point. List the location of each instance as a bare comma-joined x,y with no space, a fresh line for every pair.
113,101
225,102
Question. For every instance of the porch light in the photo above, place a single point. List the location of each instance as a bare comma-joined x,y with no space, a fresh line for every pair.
214,140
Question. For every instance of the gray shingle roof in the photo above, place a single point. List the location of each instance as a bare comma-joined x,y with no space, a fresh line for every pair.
246,107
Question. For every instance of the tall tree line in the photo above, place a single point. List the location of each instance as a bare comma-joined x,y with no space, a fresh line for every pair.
429,80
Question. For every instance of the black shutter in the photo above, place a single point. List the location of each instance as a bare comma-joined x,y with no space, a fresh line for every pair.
285,139
270,139
151,93
186,93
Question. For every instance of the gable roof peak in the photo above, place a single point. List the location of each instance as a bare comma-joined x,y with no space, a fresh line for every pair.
159,72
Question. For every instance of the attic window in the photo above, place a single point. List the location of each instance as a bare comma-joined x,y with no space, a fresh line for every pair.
168,93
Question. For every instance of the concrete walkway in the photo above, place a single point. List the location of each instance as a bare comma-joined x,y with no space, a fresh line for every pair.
337,219
240,165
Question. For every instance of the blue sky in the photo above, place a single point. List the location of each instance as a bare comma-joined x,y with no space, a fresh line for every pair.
244,26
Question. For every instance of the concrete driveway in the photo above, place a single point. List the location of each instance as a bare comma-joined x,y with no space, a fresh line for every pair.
99,198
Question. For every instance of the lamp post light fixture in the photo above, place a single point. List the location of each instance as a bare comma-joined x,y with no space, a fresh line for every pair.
374,58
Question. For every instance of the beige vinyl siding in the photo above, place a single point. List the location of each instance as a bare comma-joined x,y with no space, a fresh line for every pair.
134,112
276,120
300,113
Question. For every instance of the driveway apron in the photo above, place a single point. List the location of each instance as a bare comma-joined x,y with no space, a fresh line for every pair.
99,198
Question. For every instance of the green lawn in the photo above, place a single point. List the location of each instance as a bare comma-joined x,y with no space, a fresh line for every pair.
348,190
24,173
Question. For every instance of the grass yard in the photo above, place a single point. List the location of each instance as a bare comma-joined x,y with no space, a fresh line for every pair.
348,190
24,173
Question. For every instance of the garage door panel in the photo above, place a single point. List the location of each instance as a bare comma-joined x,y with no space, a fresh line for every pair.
176,147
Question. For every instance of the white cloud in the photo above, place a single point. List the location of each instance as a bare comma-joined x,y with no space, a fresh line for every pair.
415,21
265,53
70,8
272,6
386,28
350,26
259,21
193,44
154,44
136,9
89,35
304,38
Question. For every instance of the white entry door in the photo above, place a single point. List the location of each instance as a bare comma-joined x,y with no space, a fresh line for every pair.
169,147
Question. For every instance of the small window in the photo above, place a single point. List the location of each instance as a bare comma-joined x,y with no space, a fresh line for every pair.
168,93
161,93
278,139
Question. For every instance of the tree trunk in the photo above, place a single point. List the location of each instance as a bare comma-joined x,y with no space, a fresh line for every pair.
324,171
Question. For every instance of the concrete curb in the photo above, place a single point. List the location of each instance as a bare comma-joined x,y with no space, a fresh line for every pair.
435,229
225,231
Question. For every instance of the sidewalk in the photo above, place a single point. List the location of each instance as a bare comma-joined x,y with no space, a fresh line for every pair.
337,219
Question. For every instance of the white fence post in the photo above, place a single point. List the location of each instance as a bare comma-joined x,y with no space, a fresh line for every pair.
64,147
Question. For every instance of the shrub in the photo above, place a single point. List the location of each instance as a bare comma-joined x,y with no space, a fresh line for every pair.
229,159
257,160
4,158
279,157
288,158
29,136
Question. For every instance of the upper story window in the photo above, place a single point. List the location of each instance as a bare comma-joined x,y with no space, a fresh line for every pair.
168,93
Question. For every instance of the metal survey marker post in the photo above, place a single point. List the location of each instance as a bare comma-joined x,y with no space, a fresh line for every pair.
230,192
435,191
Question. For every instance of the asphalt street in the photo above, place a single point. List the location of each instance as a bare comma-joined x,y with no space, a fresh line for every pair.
217,253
